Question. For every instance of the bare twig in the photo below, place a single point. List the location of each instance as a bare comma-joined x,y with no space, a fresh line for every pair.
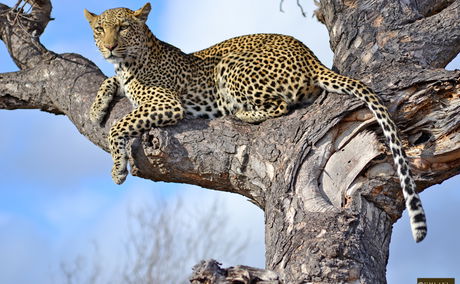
304,14
281,6
301,9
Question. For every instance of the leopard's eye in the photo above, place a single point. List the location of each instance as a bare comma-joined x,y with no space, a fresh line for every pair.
99,29
123,27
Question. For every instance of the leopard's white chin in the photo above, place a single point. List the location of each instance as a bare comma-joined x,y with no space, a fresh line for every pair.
114,60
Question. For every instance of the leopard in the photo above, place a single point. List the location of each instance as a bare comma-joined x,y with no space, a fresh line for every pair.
251,78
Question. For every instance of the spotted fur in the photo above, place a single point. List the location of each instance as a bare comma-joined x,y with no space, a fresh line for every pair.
252,77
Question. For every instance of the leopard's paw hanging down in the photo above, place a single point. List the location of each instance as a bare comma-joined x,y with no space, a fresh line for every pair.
253,77
104,96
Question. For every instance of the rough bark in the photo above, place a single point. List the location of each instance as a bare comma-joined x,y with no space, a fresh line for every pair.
321,174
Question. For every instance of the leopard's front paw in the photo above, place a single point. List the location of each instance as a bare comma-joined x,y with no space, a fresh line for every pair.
96,116
119,174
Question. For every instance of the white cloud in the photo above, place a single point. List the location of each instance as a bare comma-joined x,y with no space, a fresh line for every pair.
194,25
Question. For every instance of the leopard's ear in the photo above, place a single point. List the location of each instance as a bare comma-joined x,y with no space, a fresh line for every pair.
89,16
143,12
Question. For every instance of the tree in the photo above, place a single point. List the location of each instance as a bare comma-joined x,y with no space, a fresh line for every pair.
321,174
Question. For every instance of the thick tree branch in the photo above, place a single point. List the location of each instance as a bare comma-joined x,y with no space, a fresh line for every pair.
391,35
431,7
14,94
234,150
418,38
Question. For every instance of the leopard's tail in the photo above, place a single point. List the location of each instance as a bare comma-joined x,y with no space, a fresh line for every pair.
333,82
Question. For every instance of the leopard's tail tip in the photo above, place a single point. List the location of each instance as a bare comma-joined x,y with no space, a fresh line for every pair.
419,234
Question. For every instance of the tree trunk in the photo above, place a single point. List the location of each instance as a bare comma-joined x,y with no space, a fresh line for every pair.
321,174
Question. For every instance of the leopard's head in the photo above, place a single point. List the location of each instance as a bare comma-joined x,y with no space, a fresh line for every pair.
120,33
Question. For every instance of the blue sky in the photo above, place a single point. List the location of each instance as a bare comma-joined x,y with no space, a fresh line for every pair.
56,193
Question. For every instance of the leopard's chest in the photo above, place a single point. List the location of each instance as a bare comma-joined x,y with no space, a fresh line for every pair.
127,78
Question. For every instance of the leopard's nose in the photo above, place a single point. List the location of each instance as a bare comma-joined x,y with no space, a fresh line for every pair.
111,46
